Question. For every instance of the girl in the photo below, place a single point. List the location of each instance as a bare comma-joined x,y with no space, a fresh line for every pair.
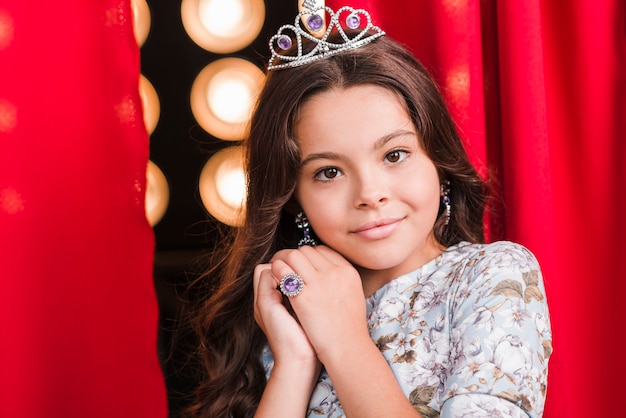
392,305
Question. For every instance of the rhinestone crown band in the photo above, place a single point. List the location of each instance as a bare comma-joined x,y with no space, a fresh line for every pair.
354,19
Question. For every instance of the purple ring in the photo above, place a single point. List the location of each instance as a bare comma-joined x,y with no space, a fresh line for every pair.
291,285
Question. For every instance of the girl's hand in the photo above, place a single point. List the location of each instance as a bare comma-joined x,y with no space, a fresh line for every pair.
331,306
286,337
296,367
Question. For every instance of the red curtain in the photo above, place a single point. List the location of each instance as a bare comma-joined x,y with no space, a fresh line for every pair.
78,311
539,93
538,89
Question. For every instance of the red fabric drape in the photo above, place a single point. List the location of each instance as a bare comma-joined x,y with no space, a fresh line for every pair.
538,90
78,312
539,93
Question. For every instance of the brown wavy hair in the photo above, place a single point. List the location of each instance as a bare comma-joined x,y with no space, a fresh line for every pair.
229,340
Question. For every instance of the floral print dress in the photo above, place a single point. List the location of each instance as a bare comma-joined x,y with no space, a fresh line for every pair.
466,335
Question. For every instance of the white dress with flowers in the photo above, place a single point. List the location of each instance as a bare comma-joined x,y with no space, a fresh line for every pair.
466,335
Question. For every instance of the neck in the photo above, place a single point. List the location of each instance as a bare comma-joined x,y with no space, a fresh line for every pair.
374,279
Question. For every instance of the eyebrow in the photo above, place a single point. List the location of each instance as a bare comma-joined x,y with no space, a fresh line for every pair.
380,142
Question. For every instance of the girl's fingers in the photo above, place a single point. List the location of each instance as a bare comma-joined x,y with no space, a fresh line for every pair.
294,281
267,298
306,260
259,270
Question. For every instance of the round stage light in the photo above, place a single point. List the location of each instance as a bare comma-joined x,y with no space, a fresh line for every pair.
141,20
157,194
223,96
150,102
222,186
223,26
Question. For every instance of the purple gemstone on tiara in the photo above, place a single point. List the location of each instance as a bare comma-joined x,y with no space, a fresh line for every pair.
315,22
284,42
353,21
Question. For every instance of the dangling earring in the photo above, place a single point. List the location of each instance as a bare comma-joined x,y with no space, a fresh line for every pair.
445,199
303,223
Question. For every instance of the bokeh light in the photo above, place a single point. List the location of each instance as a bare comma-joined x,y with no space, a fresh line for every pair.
157,194
223,96
222,186
150,102
223,26
141,20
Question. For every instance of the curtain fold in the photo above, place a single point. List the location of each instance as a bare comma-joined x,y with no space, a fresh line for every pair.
78,312
538,90
539,93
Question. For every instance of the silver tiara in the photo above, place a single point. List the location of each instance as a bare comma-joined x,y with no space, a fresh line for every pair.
354,19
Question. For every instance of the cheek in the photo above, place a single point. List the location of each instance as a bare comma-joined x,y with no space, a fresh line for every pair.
307,199
321,212
434,194
425,192
324,213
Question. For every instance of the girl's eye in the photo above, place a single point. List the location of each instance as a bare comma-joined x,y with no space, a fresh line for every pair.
396,156
327,174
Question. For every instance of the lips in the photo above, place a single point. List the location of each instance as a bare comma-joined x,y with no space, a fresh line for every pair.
378,229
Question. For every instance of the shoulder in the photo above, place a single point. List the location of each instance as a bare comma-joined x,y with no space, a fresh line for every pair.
499,255
502,338
499,269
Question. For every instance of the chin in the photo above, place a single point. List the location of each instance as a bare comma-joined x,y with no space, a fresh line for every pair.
375,264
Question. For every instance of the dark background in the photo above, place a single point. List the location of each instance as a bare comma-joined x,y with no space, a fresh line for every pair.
171,60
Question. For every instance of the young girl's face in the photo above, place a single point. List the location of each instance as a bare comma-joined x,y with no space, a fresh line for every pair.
368,188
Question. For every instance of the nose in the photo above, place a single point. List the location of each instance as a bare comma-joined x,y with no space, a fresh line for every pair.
370,191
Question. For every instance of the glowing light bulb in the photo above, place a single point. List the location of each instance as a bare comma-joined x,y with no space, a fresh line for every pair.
222,17
231,186
222,186
223,26
157,194
141,20
230,96
223,95
150,103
